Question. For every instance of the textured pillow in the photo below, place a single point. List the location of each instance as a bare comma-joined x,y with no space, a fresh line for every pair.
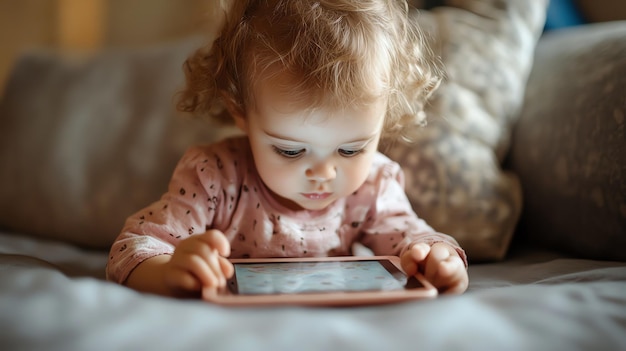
569,145
453,166
84,143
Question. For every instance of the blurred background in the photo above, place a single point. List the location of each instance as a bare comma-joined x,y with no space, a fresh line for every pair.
84,26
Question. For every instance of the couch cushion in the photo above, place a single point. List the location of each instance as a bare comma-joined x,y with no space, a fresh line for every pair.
453,167
569,144
86,142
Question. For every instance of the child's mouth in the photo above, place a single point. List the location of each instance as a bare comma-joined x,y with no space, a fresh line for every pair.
316,196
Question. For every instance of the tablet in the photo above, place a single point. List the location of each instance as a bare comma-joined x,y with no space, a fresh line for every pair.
327,281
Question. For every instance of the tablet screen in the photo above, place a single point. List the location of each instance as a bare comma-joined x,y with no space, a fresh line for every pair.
322,276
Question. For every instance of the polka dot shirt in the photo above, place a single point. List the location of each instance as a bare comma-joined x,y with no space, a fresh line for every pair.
216,187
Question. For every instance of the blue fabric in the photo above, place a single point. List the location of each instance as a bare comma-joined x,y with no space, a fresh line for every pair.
563,13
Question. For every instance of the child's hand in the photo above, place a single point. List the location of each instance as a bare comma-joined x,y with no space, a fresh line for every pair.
441,265
199,262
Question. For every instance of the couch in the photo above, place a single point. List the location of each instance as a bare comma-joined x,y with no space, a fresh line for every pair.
523,161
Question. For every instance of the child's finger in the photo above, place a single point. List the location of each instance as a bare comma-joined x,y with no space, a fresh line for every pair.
437,254
205,271
451,277
440,252
451,266
214,264
409,266
456,278
227,267
419,252
227,270
217,240
220,266
412,258
197,257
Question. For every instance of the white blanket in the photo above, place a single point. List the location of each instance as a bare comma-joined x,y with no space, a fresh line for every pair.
53,297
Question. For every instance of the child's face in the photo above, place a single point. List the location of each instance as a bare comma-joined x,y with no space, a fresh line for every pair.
309,159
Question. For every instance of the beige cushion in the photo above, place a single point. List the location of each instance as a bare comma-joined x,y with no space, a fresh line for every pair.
454,176
569,144
86,142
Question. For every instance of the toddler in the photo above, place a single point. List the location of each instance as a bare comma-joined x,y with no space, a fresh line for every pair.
314,85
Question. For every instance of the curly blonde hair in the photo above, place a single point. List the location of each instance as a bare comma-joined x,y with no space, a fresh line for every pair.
340,52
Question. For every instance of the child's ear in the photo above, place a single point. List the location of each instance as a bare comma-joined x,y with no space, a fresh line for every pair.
236,112
240,121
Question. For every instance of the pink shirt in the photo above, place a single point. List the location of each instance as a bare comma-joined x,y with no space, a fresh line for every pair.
217,187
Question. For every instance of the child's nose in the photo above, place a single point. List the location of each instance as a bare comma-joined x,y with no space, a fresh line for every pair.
321,171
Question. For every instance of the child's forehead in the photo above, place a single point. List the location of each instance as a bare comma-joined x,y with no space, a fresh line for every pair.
320,130
275,111
288,91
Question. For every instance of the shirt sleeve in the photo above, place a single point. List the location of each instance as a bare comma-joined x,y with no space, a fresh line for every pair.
395,227
188,207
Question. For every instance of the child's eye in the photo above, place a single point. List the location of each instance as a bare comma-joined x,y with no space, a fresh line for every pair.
288,153
349,153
